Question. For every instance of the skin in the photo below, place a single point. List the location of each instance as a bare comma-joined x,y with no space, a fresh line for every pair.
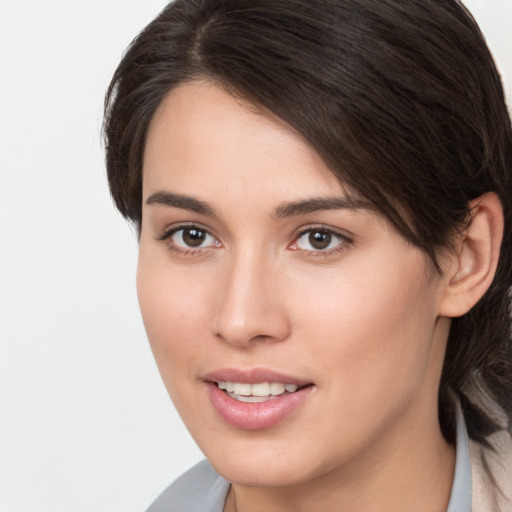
362,320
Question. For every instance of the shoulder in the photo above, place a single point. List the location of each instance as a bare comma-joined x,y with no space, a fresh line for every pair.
491,469
200,489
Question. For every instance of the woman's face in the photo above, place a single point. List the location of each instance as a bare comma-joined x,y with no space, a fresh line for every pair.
257,274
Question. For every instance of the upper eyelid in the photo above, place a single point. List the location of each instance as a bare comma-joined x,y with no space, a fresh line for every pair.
168,231
347,235
166,239
345,240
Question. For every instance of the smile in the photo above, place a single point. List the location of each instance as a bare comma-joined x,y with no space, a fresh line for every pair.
258,392
256,399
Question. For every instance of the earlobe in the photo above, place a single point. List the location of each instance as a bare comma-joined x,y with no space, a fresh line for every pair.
475,259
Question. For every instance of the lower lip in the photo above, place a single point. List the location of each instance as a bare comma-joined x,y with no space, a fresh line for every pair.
256,415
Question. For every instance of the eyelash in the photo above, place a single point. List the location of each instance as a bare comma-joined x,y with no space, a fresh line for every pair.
343,242
342,245
172,246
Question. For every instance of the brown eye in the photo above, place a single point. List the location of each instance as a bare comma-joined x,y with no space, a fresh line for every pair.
193,237
319,239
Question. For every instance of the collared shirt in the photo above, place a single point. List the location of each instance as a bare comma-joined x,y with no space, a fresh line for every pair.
461,495
201,489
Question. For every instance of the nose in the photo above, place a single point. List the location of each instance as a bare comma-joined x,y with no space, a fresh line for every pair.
251,305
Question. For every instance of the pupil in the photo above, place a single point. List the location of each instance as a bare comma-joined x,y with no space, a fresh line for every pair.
193,237
320,239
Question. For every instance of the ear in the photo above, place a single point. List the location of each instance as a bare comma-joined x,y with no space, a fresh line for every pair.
473,264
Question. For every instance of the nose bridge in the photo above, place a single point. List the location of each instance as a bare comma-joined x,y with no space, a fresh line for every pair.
250,307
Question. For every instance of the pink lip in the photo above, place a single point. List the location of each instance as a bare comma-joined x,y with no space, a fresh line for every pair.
254,415
252,376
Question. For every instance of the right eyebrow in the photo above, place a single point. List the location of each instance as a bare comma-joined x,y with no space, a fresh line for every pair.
184,202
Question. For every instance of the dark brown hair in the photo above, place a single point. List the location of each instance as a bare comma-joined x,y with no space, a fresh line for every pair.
403,102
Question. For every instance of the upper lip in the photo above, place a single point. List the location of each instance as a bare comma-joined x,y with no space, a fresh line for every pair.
252,376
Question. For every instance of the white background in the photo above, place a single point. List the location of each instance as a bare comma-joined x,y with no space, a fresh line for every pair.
85,423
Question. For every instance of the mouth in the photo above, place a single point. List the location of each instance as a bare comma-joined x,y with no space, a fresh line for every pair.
256,399
257,392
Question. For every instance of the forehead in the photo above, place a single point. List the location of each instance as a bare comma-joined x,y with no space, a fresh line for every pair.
201,134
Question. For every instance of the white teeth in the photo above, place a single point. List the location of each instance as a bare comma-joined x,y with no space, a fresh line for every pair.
253,399
260,389
258,392
276,388
242,388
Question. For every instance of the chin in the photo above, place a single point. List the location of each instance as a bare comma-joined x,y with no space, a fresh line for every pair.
272,473
261,461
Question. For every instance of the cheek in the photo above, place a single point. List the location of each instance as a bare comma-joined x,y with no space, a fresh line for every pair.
375,328
175,310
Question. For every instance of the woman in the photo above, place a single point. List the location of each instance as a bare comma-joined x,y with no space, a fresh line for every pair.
323,196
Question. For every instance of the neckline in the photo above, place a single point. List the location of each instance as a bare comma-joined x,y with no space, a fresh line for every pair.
460,497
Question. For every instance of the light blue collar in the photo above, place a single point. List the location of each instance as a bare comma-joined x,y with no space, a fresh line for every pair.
460,498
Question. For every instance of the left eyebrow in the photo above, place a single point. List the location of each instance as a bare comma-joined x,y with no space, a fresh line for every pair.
320,203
